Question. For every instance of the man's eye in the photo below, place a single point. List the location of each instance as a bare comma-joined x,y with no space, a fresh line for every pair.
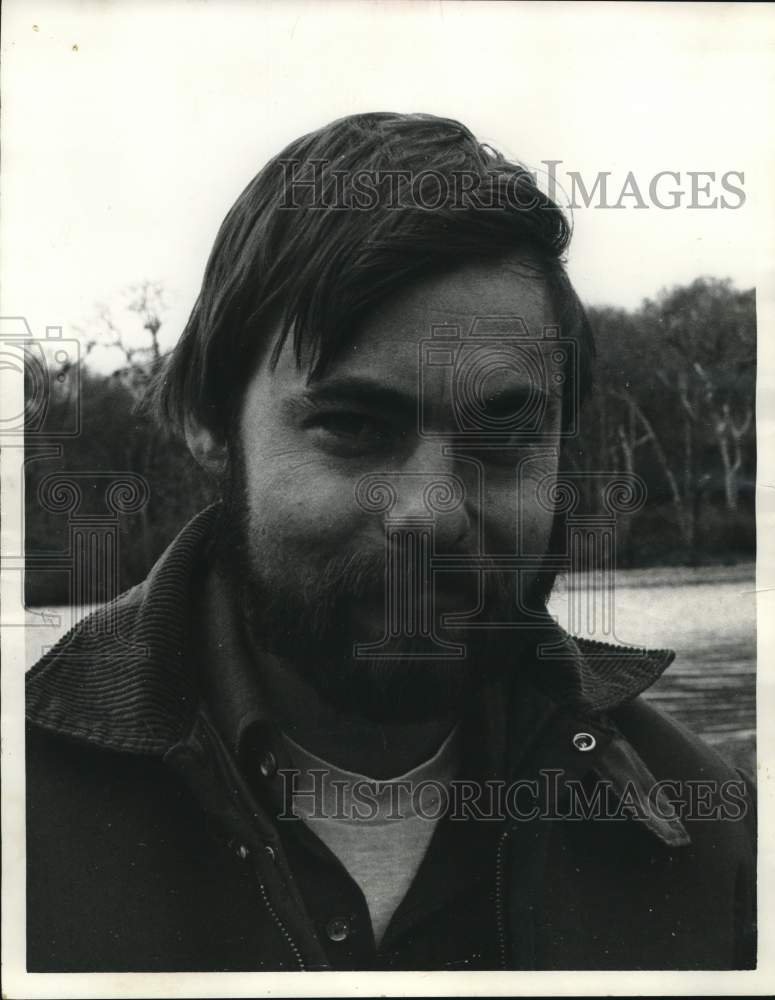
354,430
348,424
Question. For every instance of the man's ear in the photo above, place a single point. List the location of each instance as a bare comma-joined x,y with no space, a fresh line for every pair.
208,451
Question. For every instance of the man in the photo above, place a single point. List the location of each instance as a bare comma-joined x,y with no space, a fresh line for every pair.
335,727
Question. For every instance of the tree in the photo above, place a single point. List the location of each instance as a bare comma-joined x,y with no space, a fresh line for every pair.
141,354
707,330
117,436
674,401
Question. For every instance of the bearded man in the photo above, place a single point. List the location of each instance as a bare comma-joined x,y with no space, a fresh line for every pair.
336,727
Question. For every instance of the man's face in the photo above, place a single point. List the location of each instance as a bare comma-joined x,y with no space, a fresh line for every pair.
324,466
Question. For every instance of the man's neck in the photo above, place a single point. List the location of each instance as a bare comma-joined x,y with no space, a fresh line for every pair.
349,741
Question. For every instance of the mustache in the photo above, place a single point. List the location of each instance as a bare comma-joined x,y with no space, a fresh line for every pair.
316,595
408,571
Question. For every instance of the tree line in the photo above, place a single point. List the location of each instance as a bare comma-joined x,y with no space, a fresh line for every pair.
673,404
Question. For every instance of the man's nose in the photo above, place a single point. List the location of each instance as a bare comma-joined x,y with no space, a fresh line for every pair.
434,485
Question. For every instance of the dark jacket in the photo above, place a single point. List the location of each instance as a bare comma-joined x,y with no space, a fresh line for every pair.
148,851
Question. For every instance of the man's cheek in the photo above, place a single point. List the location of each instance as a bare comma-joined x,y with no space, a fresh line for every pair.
295,475
301,504
518,515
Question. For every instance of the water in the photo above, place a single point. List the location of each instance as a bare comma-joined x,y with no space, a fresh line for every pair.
708,616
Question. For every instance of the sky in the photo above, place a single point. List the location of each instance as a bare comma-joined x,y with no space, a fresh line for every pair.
130,127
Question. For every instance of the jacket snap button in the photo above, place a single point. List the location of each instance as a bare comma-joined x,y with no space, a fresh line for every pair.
242,851
584,742
338,929
270,852
268,765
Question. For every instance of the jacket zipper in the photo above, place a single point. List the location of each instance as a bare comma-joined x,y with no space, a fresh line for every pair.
281,926
500,916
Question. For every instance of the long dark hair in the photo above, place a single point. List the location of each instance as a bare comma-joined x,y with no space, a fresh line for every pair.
335,223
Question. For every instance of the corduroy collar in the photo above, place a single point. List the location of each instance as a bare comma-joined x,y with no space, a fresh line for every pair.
125,677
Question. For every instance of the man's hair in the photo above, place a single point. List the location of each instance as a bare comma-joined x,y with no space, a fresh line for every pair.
337,222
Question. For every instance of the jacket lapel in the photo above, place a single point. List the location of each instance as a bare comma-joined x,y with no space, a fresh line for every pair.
122,679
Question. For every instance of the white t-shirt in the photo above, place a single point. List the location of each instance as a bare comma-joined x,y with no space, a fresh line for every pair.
379,829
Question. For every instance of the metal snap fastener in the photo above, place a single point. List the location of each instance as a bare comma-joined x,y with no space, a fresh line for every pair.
338,929
242,851
584,742
270,852
268,765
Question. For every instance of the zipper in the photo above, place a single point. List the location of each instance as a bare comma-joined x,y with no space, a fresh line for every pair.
500,915
281,926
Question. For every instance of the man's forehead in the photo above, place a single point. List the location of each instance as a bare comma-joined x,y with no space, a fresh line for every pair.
493,312
493,306
460,299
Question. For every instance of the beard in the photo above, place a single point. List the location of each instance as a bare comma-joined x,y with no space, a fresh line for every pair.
351,624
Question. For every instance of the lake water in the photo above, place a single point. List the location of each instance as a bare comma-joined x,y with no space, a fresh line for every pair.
707,615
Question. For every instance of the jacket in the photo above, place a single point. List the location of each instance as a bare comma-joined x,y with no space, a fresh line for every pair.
148,851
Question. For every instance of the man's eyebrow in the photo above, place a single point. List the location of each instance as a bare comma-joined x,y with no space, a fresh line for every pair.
361,391
373,395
